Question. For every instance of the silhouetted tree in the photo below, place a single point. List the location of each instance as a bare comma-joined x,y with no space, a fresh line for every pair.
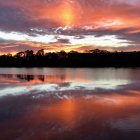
28,54
62,54
91,58
40,52
97,51
73,52
20,55
9,55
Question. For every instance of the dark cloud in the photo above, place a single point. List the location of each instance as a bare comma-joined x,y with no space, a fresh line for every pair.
18,20
14,19
63,41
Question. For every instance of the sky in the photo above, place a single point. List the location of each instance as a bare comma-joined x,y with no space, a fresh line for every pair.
79,25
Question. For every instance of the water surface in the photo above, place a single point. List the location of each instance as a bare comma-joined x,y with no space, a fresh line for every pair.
69,104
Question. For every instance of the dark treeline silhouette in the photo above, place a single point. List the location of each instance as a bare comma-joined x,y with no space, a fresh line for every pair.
91,58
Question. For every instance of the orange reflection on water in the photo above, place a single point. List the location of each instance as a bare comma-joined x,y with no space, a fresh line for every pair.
50,118
38,79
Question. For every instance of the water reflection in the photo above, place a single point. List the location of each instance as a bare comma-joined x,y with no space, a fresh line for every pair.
61,80
66,104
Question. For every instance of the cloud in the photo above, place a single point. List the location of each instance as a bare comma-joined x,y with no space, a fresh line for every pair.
77,19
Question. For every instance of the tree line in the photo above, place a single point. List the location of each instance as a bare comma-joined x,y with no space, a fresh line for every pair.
90,58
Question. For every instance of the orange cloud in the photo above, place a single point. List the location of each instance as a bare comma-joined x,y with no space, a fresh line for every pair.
92,17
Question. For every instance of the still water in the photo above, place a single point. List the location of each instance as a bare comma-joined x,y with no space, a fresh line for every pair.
69,104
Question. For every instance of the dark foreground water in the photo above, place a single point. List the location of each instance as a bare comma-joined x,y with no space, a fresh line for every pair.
69,104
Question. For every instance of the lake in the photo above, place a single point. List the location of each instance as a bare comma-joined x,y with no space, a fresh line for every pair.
69,104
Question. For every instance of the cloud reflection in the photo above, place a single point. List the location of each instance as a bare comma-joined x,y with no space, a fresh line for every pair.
65,103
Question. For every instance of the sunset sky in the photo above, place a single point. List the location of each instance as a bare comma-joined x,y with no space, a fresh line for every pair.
78,25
